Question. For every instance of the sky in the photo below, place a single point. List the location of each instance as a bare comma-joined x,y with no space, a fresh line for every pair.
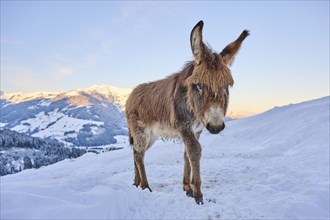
65,45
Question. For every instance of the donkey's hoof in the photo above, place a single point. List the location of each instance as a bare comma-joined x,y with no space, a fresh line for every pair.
146,187
199,201
189,194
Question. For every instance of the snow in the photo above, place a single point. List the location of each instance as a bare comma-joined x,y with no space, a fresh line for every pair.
72,93
2,124
66,123
120,95
55,124
18,97
270,166
42,103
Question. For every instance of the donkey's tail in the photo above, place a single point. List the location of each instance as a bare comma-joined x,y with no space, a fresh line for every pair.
130,138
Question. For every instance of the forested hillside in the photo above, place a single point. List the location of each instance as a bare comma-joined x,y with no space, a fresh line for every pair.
19,151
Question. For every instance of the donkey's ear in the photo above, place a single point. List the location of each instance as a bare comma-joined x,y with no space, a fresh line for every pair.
228,54
196,42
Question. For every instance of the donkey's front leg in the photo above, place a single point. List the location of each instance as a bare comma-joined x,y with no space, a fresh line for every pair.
194,152
186,176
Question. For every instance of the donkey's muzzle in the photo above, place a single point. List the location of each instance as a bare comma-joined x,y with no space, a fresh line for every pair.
215,129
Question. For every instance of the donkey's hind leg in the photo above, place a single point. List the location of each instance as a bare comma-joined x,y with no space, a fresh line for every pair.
140,172
142,141
137,179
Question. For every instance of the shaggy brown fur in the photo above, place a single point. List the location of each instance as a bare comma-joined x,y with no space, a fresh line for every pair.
215,74
180,106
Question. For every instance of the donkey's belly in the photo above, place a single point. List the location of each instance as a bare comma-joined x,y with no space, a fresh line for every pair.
159,130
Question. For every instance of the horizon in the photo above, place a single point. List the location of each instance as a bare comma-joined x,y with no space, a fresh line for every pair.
230,114
54,46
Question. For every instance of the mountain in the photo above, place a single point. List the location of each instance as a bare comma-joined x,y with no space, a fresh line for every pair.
117,95
82,117
274,165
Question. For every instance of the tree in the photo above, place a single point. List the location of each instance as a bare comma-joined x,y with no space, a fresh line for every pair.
27,162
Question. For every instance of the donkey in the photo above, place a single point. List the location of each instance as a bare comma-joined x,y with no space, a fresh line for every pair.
180,106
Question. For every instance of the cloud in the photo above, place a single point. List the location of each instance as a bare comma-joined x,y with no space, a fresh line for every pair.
90,60
65,71
101,39
63,67
141,14
137,14
50,72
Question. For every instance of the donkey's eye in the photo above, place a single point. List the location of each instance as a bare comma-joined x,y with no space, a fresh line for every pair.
199,86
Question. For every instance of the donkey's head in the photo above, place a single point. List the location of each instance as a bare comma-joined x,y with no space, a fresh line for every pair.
208,92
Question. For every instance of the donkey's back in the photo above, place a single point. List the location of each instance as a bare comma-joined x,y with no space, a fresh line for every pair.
150,102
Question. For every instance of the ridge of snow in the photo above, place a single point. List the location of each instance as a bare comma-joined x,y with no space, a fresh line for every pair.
17,97
120,94
274,165
106,89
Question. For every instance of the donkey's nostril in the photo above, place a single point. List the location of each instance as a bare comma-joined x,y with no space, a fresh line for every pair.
222,127
215,129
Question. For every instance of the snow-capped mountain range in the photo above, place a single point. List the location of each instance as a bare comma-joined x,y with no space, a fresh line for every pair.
83,117
117,95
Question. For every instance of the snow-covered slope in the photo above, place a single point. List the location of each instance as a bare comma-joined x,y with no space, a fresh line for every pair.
271,166
119,95
83,117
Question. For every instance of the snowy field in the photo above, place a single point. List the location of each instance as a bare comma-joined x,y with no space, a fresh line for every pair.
270,166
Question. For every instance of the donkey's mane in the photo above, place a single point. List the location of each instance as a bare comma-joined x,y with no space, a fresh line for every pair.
215,74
